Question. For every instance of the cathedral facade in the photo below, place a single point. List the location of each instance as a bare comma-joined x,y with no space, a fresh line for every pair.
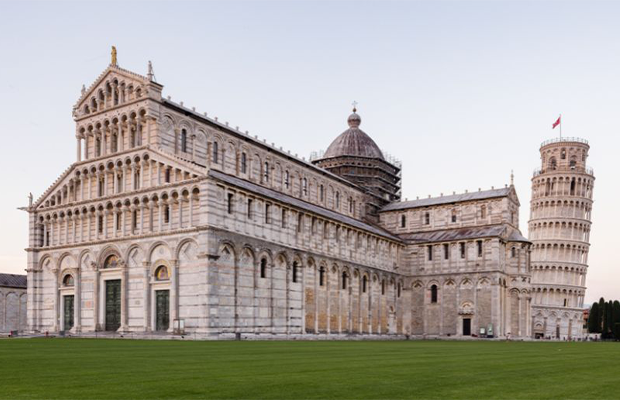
171,222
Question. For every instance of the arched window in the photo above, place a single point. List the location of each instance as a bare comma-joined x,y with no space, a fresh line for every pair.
184,141
553,163
563,154
573,162
383,287
434,294
399,289
513,252
453,215
304,185
344,280
287,179
427,218
97,147
572,187
166,214
321,193
266,172
337,200
322,276
295,270
244,163
364,283
263,268
161,273
403,221
68,281
215,153
111,262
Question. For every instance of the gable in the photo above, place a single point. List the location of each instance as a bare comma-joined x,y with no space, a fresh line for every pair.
115,86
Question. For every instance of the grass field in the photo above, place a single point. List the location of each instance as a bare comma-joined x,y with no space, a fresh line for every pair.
90,368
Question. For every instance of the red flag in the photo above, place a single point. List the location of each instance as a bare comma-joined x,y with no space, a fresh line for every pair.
556,123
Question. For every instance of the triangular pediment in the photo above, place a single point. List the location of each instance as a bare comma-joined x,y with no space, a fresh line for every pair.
113,82
512,194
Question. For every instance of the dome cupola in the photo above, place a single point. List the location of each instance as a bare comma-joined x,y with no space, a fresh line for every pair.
353,142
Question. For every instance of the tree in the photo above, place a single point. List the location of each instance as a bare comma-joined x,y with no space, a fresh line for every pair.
601,314
608,320
594,319
615,317
617,331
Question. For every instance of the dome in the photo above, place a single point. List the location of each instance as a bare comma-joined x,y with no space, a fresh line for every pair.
354,142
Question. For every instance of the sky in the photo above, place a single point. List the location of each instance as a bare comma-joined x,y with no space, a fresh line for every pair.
462,92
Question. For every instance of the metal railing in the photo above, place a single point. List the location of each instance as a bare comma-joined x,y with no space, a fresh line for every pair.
587,170
563,140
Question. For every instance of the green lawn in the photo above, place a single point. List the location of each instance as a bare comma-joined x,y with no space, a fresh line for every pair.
90,368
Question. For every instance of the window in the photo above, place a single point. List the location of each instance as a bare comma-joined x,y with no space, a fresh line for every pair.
563,154
479,243
250,208
427,218
344,281
430,252
304,185
101,188
134,220
321,193
283,218
446,251
68,281
313,225
229,205
244,163
565,302
403,221
399,289
263,268
100,224
166,214
167,175
553,163
295,267
453,216
215,153
572,187
513,252
322,276
462,245
266,172
161,273
287,179
136,180
383,287
351,206
267,213
434,294
113,144
300,222
97,147
184,141
364,283
118,221
119,183
337,200
483,211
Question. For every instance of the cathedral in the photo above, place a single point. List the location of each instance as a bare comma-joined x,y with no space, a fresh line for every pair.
170,222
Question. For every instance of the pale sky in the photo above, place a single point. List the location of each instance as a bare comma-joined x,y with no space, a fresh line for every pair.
462,92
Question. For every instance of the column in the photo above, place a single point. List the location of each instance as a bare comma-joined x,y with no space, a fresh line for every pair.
146,296
141,228
77,318
124,286
180,211
56,301
174,297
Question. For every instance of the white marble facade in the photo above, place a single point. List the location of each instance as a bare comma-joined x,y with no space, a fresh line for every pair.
172,219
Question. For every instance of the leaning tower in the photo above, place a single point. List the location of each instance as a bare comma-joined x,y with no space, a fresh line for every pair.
559,228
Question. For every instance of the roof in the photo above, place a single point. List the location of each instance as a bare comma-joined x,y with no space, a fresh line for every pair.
13,281
455,198
353,142
448,235
301,204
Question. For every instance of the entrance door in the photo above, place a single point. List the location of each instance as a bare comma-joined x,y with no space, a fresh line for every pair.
466,326
68,312
162,311
112,305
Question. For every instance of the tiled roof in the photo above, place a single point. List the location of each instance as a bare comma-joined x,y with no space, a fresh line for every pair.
14,281
300,204
455,198
448,235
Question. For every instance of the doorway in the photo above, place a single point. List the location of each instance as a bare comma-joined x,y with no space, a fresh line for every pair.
112,305
162,310
466,326
68,307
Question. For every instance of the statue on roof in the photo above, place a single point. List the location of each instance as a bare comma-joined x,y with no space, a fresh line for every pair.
114,60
